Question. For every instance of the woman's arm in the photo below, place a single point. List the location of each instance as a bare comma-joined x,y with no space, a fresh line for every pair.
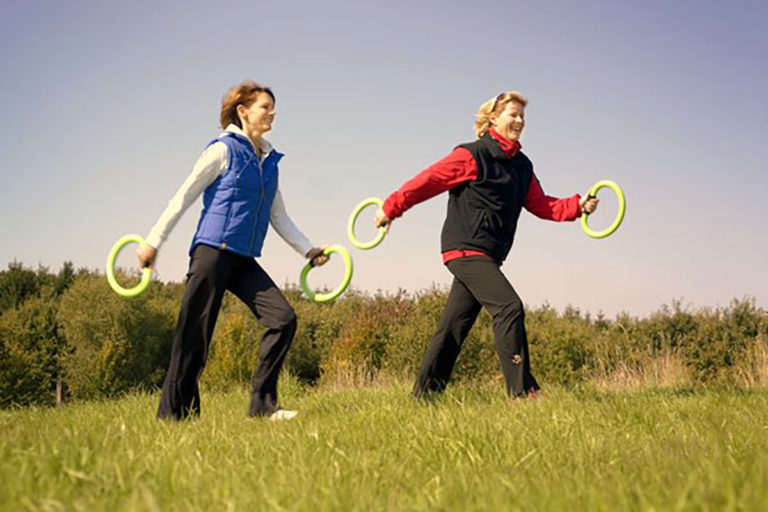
286,228
551,208
454,169
208,167
211,164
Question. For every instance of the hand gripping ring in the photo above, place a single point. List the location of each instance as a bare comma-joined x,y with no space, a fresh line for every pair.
146,276
324,297
619,217
353,218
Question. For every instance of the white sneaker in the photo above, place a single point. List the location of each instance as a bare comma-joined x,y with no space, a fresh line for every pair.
283,414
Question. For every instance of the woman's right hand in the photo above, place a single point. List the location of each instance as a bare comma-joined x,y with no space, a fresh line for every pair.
316,256
588,203
147,255
382,221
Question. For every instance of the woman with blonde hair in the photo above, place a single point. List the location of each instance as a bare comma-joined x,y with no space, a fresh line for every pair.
237,175
489,182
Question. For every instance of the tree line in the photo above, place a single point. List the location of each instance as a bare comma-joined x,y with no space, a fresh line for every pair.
66,335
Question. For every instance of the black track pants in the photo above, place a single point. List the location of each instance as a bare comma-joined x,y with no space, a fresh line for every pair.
478,283
211,273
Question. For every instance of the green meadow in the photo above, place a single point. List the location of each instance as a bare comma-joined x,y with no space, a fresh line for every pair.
375,448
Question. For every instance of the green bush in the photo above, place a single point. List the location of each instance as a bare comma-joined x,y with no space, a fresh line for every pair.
363,328
30,346
411,331
319,326
115,344
234,351
720,340
559,345
71,327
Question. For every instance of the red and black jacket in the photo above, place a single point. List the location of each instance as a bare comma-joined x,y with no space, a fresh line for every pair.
482,213
490,181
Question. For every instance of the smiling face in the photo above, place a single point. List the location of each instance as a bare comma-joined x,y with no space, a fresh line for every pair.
509,123
256,118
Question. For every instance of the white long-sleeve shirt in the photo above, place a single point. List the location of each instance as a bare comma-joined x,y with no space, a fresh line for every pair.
211,164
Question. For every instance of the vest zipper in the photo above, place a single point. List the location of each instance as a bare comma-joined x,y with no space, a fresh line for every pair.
261,200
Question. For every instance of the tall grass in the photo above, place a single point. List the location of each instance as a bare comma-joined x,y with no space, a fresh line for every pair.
375,448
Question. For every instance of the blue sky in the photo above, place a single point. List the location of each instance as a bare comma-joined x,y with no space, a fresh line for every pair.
106,106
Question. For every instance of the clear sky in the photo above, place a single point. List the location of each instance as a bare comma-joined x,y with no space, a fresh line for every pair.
106,105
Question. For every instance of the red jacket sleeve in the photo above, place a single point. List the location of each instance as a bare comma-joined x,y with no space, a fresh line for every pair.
443,175
551,208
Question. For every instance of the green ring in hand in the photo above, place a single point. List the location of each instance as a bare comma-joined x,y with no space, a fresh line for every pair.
146,276
324,297
619,217
353,218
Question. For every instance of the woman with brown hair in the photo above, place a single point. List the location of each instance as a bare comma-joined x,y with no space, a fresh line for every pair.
237,175
489,182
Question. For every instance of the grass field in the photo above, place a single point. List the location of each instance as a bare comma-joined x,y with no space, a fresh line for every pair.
377,449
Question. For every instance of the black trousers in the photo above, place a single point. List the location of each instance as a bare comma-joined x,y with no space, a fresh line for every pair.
478,282
211,273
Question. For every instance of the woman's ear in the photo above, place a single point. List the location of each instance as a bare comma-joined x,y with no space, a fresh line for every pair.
241,110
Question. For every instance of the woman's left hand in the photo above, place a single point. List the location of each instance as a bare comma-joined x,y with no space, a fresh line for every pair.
316,256
381,220
588,203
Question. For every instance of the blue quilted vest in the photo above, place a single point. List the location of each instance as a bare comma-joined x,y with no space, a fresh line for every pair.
236,206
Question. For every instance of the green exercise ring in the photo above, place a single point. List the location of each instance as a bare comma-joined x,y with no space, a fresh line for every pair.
353,219
325,297
146,276
619,217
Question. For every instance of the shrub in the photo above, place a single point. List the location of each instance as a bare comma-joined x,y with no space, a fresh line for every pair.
115,344
720,340
71,327
560,346
30,346
414,323
234,351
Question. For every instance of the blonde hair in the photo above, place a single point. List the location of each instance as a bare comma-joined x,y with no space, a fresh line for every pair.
494,106
244,93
